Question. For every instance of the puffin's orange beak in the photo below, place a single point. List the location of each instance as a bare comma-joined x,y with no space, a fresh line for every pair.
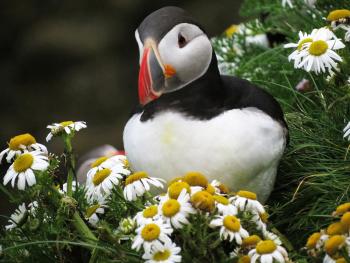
153,74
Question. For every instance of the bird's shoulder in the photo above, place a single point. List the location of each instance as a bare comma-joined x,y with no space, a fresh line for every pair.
241,93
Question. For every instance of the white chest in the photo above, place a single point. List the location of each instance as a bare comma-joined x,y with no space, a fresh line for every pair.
234,147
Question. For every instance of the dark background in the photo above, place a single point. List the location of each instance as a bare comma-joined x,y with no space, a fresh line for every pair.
78,60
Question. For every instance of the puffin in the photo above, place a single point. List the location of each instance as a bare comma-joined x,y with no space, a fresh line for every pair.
191,118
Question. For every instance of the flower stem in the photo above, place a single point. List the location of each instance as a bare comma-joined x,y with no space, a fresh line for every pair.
83,229
70,163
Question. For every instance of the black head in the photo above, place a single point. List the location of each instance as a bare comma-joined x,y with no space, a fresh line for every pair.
174,52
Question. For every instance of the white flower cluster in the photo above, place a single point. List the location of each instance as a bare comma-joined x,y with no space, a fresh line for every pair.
27,157
333,243
105,174
316,51
66,127
193,194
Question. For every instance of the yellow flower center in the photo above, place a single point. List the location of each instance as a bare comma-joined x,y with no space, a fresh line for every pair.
247,194
203,200
221,199
264,217
338,14
251,241
135,177
345,220
210,189
334,243
162,255
176,179
266,247
171,207
23,139
23,162
244,259
341,209
98,161
66,123
126,163
223,189
232,223
312,240
196,179
101,175
150,211
336,228
150,232
318,48
302,42
175,189
340,260
91,210
231,30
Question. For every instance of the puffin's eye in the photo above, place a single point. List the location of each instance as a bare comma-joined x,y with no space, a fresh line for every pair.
181,41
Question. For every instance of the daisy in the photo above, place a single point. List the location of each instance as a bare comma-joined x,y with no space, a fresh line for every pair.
147,215
268,251
102,182
303,38
334,244
347,131
23,168
176,211
108,162
203,200
230,228
195,179
163,253
272,236
224,206
93,211
319,54
328,259
18,217
219,187
260,220
247,201
176,188
315,241
152,234
64,127
251,241
340,20
19,144
138,183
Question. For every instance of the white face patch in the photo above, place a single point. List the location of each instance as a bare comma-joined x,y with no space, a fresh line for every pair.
139,43
188,50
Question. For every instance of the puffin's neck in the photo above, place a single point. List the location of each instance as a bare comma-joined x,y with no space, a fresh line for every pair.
202,98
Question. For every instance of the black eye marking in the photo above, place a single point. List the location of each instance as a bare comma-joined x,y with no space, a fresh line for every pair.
181,41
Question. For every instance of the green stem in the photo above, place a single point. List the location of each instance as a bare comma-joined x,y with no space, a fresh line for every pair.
83,229
70,163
